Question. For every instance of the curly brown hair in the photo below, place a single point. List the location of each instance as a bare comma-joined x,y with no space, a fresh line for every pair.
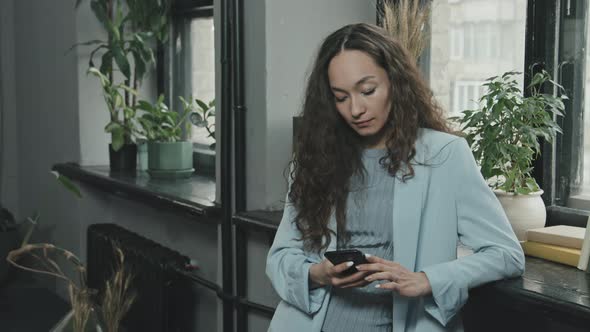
328,152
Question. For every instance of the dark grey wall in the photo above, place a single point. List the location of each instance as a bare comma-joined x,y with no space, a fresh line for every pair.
196,240
8,141
46,115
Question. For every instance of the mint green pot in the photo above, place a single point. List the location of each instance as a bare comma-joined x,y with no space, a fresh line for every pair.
170,159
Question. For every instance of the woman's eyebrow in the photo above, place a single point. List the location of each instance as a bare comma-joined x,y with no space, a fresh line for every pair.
359,82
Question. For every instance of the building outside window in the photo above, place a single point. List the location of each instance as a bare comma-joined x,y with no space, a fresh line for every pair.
473,40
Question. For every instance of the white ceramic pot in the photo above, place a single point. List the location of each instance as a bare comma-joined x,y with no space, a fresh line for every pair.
523,211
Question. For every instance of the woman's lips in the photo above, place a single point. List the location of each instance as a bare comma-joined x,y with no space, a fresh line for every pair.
362,124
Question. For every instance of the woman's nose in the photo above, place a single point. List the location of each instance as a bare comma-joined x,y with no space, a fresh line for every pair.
357,107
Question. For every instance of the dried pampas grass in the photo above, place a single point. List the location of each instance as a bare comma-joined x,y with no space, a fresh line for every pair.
118,295
407,21
81,305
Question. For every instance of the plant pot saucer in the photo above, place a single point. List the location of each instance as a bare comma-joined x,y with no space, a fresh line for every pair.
171,174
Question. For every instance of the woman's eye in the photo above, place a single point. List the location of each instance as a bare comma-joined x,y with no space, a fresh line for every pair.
340,99
368,92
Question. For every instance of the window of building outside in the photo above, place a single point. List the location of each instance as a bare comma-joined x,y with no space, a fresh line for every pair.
473,40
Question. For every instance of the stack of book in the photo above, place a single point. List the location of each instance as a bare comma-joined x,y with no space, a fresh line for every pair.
562,244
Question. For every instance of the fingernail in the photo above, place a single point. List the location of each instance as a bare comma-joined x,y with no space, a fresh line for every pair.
368,255
349,264
368,278
377,286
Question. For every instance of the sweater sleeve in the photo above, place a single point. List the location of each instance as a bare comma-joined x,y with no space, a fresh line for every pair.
482,225
287,266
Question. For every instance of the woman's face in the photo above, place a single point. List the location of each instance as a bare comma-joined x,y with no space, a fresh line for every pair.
361,93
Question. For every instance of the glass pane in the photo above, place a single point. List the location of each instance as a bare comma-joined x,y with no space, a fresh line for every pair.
580,182
202,70
473,40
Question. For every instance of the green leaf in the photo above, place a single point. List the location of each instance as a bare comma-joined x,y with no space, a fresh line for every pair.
112,127
106,63
140,67
144,105
100,11
128,112
67,183
523,191
122,62
202,105
196,119
117,139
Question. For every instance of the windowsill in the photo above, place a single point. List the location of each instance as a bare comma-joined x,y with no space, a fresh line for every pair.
555,290
194,196
581,202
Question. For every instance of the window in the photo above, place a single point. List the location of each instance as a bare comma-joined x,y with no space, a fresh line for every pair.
466,95
473,40
192,62
477,39
203,70
572,164
457,45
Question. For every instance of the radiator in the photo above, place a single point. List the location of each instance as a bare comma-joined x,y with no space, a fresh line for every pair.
164,301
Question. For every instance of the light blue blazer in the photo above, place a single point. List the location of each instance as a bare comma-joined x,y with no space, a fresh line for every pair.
446,202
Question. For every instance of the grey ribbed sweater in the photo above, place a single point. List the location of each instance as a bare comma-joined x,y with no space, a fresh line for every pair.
370,228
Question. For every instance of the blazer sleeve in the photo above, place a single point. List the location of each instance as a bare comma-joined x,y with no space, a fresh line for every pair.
482,225
287,266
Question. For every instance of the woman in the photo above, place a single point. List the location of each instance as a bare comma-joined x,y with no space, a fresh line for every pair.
376,169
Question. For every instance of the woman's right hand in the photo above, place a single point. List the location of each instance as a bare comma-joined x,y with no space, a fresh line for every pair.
326,273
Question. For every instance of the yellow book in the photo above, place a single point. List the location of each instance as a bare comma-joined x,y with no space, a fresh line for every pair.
559,254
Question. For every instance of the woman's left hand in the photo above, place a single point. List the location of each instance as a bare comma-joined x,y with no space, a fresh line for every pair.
402,280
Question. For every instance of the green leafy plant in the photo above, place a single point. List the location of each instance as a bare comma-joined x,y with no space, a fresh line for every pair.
122,125
134,29
159,123
202,115
503,133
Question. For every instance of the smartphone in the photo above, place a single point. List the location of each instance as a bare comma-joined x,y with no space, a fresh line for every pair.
348,255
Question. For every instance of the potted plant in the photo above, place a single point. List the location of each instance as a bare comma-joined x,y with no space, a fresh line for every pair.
169,155
503,134
134,30
203,116
122,150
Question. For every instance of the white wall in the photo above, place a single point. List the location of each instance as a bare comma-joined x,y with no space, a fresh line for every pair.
278,58
8,140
